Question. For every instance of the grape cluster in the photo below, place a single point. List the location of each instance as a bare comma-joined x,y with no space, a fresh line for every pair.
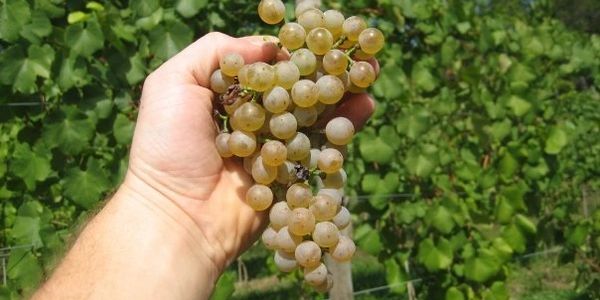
270,116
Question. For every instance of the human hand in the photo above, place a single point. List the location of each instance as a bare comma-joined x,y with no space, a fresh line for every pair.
174,162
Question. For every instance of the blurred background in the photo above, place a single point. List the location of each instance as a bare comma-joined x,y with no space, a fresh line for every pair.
477,178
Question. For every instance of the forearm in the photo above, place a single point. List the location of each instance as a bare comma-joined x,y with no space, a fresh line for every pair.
137,247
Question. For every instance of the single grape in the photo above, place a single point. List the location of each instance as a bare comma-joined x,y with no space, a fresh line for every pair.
273,153
331,89
299,195
276,100
343,250
259,197
287,241
361,55
324,208
305,60
335,62
231,64
336,180
285,262
326,285
242,143
283,125
330,160
305,93
279,215
306,116
308,254
335,194
221,143
345,78
248,161
304,6
326,234
263,173
371,40
286,172
302,221
334,20
219,82
352,88
261,76
287,74
352,27
319,40
271,11
342,219
311,18
292,35
269,238
310,162
362,74
249,116
298,146
316,276
243,75
339,131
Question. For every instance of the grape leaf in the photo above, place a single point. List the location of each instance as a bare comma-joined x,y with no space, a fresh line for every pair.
21,71
170,38
85,187
69,130
189,8
435,257
14,14
84,38
31,165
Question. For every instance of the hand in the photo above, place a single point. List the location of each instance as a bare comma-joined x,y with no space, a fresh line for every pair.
173,153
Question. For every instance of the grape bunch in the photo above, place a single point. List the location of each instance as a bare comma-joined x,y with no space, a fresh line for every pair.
270,117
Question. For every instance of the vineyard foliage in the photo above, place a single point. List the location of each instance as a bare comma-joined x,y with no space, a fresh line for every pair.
487,130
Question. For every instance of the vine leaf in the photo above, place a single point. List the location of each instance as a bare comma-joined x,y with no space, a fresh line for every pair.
85,187
31,165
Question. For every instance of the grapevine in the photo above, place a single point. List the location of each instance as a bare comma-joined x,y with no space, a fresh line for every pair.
271,116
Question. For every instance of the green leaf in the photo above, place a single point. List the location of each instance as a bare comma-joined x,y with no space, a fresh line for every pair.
73,73
419,163
144,8
481,268
375,150
577,235
14,14
24,269
69,130
519,105
395,276
85,187
423,79
454,293
441,219
84,38
30,165
508,166
435,257
76,17
556,141
39,27
368,239
413,123
525,224
225,286
515,238
170,38
20,71
189,8
497,291
123,129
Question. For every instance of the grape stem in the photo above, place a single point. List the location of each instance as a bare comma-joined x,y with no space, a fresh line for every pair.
340,41
225,120
348,53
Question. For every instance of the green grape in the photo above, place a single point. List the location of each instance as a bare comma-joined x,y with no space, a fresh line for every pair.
248,161
335,62
304,6
316,276
283,125
292,35
221,143
334,20
311,18
339,131
306,116
286,172
326,234
343,250
335,180
362,74
261,76
243,75
259,197
285,262
276,100
361,55
308,254
352,27
263,173
335,194
279,215
330,160
305,60
299,195
342,219
330,89
298,146
242,143
319,40
324,207
250,116
271,11
231,64
371,40
286,240
269,238
302,221
305,93
310,162
287,74
326,285
345,78
273,153
219,82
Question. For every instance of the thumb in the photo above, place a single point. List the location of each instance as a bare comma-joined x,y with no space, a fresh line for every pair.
200,59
